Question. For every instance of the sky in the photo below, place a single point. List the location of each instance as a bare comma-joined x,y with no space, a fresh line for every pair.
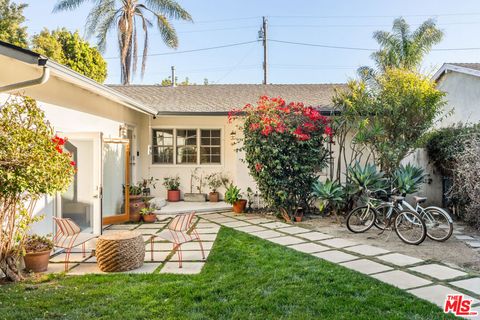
340,23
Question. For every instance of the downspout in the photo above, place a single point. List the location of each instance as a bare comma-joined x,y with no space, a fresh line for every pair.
28,83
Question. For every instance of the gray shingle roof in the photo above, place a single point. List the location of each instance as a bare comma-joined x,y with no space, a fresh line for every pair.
223,98
474,66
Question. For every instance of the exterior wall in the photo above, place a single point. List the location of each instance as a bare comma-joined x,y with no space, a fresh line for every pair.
463,104
231,163
463,97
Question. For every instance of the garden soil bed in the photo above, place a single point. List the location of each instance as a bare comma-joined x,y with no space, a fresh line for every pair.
453,251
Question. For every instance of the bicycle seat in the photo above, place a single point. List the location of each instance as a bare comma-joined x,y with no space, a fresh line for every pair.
419,199
397,198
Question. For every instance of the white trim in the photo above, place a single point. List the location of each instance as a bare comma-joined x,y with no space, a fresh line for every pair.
187,165
446,67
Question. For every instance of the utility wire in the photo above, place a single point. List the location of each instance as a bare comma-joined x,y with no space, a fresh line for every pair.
359,48
321,45
193,50
379,16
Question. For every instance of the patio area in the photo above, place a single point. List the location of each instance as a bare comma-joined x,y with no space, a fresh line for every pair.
428,280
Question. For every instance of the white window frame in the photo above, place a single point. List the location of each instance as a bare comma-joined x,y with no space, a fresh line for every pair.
185,165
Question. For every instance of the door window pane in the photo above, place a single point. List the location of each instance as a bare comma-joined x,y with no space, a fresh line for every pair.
162,146
186,146
210,149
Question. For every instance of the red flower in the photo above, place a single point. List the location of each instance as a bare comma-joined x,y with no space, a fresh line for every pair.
328,131
280,127
72,163
258,167
300,135
254,126
309,126
267,130
59,149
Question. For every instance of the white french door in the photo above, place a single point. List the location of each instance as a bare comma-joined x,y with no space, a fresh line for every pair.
81,202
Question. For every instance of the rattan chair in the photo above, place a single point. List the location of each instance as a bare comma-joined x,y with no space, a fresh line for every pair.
179,231
68,236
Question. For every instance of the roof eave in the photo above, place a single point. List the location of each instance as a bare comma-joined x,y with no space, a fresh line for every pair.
30,57
446,67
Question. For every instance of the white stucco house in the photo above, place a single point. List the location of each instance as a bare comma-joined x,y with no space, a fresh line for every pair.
121,134
461,83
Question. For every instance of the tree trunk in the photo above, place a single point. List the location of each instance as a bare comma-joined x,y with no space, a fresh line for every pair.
8,265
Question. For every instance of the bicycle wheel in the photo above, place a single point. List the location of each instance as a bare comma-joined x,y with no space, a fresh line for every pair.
410,227
383,211
439,223
360,219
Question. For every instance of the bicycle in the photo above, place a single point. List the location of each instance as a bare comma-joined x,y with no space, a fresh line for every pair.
438,221
408,224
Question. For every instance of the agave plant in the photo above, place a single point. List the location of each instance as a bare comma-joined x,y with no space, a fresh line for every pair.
408,179
365,178
330,193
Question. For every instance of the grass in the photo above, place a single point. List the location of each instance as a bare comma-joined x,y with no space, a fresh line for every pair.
245,278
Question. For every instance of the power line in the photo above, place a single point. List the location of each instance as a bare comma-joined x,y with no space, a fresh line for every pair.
377,16
193,50
322,45
362,25
359,48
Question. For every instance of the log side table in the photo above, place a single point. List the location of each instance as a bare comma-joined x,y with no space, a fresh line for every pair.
120,251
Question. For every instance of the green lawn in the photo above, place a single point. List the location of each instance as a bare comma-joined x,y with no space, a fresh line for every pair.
245,278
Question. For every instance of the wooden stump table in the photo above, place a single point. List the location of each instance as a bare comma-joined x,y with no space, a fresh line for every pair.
120,251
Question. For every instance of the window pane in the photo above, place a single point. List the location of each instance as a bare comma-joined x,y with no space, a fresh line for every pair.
186,146
210,149
162,146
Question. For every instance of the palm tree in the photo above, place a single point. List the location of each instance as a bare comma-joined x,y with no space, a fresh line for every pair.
402,48
129,17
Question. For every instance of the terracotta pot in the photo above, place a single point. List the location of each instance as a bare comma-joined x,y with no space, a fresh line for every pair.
173,195
136,204
298,218
239,206
37,261
299,215
213,196
150,218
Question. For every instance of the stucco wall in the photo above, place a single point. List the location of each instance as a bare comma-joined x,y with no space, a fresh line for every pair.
463,97
230,164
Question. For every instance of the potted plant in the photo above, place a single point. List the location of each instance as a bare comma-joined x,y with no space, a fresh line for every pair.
214,182
233,196
195,196
148,215
172,185
136,202
147,183
37,252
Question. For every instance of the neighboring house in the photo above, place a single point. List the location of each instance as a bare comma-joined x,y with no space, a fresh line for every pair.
191,129
100,124
461,83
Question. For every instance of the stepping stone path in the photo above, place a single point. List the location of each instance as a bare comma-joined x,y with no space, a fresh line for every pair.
162,259
426,280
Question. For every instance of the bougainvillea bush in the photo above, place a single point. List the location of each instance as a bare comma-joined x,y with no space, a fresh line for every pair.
33,163
285,148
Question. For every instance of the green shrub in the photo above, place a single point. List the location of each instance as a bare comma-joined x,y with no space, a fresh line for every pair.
446,144
408,179
285,149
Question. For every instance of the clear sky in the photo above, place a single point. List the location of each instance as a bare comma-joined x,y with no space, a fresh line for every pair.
347,23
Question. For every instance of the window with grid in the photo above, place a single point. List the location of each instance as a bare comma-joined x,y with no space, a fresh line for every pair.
162,146
210,146
186,146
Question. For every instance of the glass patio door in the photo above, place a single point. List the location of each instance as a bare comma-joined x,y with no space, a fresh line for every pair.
81,202
116,176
